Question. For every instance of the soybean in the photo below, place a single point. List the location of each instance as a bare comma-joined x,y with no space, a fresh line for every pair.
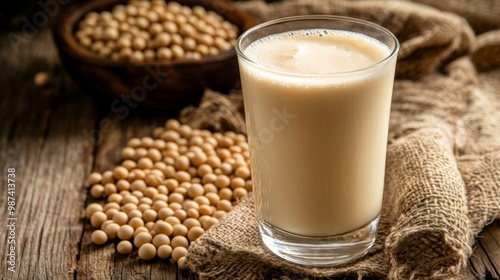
170,189
159,31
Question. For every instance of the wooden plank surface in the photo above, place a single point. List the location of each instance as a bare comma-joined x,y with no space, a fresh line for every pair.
486,259
42,136
49,158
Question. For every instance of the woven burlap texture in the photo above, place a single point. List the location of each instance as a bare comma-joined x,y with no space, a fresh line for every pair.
443,160
482,15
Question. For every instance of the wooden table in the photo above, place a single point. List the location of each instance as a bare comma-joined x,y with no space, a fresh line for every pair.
48,135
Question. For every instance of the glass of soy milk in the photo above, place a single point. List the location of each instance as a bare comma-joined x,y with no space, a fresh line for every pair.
317,93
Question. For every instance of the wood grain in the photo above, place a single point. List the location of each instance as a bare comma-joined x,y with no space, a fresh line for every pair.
48,136
50,159
486,259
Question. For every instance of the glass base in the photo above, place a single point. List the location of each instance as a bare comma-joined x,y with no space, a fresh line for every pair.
319,251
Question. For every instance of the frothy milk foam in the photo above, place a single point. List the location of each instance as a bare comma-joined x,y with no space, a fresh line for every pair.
318,135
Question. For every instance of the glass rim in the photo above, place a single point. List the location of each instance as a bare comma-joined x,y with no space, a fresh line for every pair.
392,54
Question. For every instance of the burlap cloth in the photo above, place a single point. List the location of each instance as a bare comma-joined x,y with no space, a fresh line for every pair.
443,161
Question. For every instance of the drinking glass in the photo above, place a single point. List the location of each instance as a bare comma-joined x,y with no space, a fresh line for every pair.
317,139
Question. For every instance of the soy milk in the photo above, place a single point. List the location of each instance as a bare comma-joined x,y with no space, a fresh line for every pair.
317,127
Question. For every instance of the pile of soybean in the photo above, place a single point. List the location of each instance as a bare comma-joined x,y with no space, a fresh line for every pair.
155,30
169,190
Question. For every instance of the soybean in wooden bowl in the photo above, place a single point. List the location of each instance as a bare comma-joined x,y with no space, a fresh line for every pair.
155,84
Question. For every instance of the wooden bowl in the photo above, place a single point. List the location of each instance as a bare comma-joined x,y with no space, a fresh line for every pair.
161,85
